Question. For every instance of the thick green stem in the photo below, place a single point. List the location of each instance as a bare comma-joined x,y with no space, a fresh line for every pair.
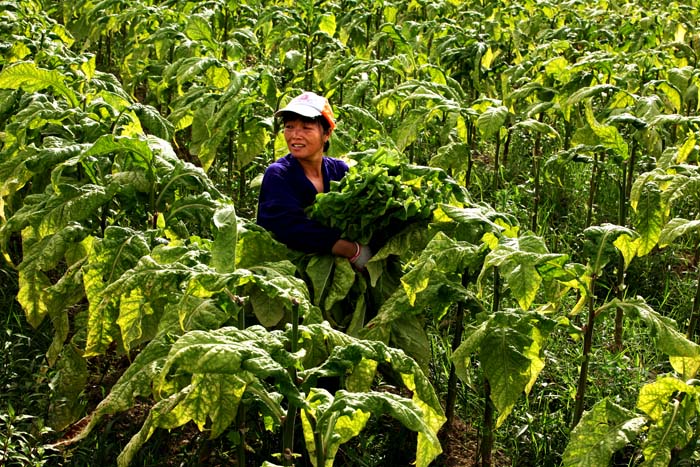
620,280
290,419
241,414
506,149
471,138
487,438
451,400
486,448
497,165
320,448
230,160
536,152
630,172
592,191
587,345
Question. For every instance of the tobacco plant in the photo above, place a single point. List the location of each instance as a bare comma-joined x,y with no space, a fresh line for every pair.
204,375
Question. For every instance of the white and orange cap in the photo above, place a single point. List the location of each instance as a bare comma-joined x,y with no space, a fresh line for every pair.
310,104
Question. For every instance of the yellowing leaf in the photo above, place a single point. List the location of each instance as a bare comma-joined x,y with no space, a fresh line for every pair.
628,247
602,431
29,77
686,149
327,24
487,58
32,296
654,397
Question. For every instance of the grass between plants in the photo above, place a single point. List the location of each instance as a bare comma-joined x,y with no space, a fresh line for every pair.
24,390
538,429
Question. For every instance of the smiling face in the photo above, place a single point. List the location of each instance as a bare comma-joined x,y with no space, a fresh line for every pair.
305,137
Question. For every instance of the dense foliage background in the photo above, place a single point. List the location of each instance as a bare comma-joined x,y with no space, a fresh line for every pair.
534,298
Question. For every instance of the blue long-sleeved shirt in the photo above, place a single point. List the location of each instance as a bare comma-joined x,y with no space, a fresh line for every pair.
284,195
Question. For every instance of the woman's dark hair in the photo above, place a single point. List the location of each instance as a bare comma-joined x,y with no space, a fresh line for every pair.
321,120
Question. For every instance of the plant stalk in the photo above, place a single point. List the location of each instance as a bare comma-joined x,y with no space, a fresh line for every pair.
587,345
620,279
290,419
486,448
451,400
241,415
487,438
471,138
497,165
592,191
536,177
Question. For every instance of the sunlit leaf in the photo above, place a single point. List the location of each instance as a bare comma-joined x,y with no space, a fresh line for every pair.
603,430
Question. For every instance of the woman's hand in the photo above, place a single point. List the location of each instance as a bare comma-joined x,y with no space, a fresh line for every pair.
362,257
358,254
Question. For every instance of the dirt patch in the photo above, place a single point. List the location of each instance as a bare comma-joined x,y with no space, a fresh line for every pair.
460,445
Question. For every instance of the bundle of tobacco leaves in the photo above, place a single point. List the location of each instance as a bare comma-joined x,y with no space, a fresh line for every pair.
377,199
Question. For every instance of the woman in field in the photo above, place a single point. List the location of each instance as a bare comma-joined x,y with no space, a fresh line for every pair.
291,183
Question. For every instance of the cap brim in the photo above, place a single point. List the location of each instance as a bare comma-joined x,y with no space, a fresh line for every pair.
304,110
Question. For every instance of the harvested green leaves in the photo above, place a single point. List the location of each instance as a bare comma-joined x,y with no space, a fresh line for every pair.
376,200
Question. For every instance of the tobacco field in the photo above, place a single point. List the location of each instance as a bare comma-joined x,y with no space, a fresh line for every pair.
526,171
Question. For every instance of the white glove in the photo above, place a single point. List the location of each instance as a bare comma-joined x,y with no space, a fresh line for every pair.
363,255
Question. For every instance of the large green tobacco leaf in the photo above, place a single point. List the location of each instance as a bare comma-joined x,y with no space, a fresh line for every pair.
130,288
198,29
37,295
346,354
607,135
601,245
320,269
29,163
136,300
339,418
256,245
343,278
331,278
205,374
344,426
685,182
649,214
401,324
442,260
654,397
223,249
672,432
32,295
53,210
353,357
600,433
519,261
474,221
276,291
110,257
30,78
47,252
684,354
195,312
402,245
135,382
675,228
492,120
509,345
